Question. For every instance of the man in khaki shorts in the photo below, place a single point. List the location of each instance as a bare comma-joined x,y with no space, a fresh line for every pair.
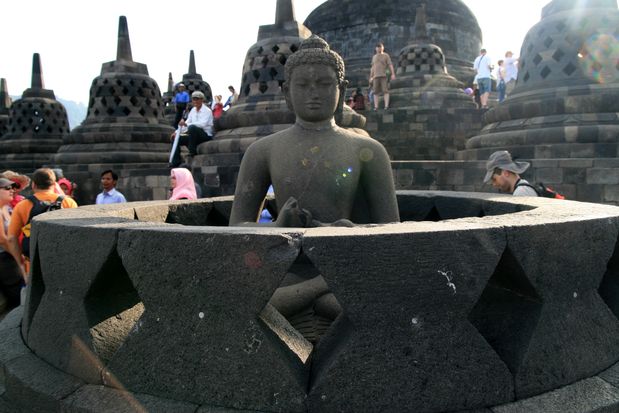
378,75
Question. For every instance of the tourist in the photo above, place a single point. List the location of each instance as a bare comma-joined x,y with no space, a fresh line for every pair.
311,161
483,68
11,273
504,174
358,100
217,107
182,185
66,186
232,99
198,128
511,72
22,182
43,181
500,80
381,61
180,101
109,195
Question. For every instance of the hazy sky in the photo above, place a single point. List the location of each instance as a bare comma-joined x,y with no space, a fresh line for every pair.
74,37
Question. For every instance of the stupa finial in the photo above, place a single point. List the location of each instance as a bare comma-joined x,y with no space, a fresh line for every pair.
123,51
192,63
37,73
421,26
284,12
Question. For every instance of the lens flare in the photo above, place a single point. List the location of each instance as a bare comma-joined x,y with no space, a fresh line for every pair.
600,58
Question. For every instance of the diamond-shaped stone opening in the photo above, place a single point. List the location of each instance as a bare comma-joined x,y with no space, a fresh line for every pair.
526,77
302,309
545,72
548,42
37,286
113,307
558,55
569,69
537,59
507,311
609,288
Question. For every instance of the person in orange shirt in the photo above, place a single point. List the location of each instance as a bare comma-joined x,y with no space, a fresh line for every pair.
43,182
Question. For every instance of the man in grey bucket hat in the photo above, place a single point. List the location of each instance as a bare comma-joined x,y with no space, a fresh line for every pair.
504,174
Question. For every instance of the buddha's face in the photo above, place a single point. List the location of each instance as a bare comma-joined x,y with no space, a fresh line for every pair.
313,92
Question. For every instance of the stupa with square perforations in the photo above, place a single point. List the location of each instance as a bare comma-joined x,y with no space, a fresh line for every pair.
566,98
125,121
37,124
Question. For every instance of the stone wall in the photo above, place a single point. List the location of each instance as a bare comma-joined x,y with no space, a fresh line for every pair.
481,309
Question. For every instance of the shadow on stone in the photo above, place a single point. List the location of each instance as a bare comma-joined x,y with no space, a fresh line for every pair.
508,311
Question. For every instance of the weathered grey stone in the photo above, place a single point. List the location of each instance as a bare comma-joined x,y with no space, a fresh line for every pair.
571,311
93,289
213,313
592,395
391,362
34,386
100,399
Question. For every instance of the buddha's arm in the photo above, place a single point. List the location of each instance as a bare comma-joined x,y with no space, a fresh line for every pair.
251,187
377,181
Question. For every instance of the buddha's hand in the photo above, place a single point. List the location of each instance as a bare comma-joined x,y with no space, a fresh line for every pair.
291,215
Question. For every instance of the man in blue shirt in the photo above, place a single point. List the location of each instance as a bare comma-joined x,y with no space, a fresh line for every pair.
181,100
110,195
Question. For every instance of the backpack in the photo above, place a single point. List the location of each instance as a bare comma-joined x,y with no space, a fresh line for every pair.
542,190
38,207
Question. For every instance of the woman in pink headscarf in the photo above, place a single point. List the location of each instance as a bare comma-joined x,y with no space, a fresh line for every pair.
182,185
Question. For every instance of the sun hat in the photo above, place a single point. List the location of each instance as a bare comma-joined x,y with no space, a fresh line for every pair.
197,95
503,160
4,182
21,180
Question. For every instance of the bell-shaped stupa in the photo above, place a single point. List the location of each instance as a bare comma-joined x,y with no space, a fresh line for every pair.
193,80
566,98
353,28
37,125
125,121
430,116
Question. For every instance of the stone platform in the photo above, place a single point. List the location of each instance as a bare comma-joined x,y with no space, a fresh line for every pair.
475,303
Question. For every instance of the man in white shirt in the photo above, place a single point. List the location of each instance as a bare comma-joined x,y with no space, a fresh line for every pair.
511,72
483,67
198,128
504,173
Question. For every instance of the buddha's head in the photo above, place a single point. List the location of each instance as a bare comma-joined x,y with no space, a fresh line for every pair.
315,85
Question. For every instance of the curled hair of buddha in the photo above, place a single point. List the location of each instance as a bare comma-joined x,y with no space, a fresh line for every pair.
315,50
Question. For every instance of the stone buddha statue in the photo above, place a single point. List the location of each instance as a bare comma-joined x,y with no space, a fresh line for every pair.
322,174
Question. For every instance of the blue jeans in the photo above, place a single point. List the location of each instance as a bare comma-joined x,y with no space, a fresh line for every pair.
501,89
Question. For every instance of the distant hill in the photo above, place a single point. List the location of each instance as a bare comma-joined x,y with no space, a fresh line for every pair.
76,112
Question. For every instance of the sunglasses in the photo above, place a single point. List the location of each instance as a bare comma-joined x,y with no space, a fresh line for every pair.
8,188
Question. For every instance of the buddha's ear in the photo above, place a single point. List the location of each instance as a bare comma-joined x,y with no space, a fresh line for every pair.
340,103
286,91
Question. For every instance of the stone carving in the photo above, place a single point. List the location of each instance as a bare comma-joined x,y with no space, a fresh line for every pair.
37,125
319,170
261,109
473,312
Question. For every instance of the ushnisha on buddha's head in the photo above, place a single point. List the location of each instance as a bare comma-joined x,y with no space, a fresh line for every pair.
315,85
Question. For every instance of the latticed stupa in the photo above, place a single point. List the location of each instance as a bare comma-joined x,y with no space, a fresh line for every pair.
432,116
125,121
353,28
37,125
